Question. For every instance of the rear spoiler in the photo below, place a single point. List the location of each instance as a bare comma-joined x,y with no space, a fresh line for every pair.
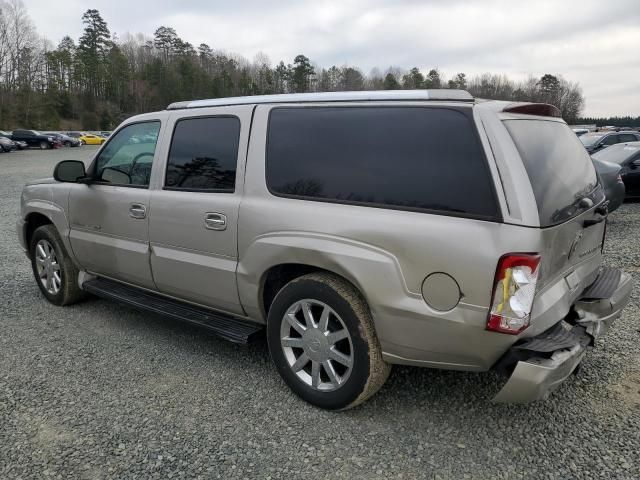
540,109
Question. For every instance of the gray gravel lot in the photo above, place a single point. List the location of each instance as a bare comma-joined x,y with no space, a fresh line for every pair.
98,390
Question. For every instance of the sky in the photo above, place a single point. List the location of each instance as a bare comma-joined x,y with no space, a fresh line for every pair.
595,43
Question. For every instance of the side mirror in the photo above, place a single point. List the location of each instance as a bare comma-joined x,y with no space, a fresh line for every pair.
69,171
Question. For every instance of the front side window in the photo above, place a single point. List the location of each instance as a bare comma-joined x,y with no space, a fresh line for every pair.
410,158
128,157
204,154
611,140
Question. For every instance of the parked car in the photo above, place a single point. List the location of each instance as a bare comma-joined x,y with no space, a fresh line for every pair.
87,138
34,138
355,229
580,131
20,145
596,141
90,139
612,182
627,156
65,140
7,145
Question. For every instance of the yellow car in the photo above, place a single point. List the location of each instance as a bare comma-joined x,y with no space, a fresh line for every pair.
89,139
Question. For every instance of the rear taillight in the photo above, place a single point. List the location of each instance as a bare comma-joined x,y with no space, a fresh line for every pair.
513,291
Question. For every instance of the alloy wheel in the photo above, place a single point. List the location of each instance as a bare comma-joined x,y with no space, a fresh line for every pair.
48,267
317,345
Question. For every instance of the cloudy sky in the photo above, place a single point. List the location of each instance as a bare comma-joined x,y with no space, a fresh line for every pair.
596,43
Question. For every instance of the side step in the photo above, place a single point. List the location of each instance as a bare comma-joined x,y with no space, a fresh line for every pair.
230,328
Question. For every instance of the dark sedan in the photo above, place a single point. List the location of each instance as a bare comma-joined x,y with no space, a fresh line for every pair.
65,140
611,180
627,155
34,138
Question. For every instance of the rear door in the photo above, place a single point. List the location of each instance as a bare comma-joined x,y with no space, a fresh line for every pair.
194,212
567,195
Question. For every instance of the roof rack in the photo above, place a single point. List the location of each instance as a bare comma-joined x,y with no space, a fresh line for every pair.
444,94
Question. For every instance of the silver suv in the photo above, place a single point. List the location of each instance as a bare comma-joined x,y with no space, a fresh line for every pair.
355,230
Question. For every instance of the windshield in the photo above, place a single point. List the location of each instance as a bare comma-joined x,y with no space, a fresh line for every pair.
617,153
589,139
559,168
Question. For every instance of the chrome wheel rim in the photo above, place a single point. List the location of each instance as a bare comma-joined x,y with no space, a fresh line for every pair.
48,267
316,345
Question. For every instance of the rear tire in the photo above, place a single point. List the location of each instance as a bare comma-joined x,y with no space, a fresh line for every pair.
55,273
323,343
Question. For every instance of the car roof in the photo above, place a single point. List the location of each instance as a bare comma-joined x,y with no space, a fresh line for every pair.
445,94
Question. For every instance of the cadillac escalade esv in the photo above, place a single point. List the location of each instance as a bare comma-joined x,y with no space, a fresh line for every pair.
355,230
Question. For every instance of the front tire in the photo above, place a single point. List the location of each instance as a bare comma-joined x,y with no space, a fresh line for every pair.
323,343
54,271
44,145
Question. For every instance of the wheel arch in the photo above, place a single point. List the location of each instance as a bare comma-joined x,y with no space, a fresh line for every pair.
33,221
277,276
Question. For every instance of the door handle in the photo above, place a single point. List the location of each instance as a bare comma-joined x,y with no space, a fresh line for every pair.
215,221
137,211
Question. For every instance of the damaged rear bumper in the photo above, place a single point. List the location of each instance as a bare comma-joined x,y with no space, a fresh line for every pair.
538,365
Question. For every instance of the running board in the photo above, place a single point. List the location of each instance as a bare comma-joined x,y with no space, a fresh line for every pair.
230,328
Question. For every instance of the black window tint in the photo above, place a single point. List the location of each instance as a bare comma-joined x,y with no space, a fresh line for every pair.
204,154
559,168
410,158
627,137
611,140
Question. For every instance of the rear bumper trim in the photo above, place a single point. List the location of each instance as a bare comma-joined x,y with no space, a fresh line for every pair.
541,369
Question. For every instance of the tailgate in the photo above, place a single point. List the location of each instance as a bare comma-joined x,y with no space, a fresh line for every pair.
571,209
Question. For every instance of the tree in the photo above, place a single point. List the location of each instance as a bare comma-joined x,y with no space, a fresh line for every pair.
92,51
414,79
391,82
459,81
433,79
301,73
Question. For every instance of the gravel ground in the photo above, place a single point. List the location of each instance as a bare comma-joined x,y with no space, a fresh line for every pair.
98,391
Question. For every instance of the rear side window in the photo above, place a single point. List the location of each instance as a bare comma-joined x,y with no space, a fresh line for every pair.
204,154
411,158
559,168
627,137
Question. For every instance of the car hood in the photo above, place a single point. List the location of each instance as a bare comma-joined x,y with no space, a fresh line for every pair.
42,181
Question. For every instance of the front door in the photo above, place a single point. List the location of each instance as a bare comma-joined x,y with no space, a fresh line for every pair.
194,214
109,218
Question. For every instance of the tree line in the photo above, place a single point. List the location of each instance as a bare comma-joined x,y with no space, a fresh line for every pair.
96,81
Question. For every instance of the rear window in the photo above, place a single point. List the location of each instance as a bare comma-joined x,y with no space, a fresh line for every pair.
410,158
559,168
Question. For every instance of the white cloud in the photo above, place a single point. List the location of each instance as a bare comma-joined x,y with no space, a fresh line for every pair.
587,41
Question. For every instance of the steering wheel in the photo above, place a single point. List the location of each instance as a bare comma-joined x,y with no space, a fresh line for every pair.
138,157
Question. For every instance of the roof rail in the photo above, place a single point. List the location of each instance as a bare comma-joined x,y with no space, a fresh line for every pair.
444,94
